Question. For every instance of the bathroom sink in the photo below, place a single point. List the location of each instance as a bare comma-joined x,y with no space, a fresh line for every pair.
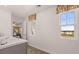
3,43
3,40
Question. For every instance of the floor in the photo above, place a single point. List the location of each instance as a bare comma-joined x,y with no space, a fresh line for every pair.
32,50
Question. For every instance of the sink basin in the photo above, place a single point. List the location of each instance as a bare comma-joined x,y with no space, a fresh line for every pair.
3,43
3,40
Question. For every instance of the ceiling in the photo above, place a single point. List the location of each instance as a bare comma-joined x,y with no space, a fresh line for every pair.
24,10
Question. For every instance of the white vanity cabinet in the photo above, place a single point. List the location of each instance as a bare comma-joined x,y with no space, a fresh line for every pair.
17,49
13,46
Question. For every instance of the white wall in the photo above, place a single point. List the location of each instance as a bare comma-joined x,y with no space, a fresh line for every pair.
5,22
48,36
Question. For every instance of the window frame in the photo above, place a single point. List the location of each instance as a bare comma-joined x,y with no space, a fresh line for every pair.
67,23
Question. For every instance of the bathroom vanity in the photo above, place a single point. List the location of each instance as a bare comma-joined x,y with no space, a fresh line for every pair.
13,46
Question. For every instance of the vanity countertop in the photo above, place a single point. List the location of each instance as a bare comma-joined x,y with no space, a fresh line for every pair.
12,41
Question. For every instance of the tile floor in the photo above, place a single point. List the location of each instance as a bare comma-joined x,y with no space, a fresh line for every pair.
32,50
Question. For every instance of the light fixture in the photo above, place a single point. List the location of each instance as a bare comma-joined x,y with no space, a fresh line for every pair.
38,5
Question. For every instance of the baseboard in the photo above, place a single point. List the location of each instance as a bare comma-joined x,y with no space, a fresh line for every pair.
37,49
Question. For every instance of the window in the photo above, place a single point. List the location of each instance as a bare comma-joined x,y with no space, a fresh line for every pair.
67,24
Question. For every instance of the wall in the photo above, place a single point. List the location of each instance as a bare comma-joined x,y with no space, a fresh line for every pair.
48,36
5,22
